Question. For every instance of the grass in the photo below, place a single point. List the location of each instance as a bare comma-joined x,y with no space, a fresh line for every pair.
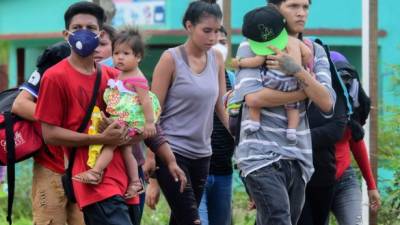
241,216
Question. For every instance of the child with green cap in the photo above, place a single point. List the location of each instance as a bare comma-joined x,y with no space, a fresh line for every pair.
264,27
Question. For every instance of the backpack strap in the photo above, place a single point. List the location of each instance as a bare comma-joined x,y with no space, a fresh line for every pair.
10,146
337,77
85,121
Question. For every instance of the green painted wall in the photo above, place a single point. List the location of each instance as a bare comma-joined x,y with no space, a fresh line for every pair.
46,16
28,16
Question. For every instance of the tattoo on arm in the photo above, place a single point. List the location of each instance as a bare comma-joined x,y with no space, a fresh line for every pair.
289,66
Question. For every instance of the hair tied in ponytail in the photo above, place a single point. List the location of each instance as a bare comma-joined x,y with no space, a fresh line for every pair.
199,9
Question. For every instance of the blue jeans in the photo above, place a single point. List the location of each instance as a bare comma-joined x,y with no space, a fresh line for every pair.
216,202
347,199
278,191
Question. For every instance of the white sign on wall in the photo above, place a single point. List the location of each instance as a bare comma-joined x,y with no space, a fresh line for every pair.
139,12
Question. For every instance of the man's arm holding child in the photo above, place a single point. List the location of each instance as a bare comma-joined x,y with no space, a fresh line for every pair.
249,86
271,98
315,91
114,134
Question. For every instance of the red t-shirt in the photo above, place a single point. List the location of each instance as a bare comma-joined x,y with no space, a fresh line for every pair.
63,100
52,158
359,150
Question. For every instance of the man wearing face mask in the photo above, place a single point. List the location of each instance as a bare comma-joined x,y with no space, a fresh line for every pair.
215,205
48,166
67,87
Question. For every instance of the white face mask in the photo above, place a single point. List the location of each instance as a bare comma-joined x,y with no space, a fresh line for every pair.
221,48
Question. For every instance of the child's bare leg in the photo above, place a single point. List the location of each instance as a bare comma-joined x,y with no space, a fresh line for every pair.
105,157
95,175
135,185
254,124
293,116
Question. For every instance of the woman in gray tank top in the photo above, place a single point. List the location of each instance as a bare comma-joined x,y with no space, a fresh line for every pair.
189,81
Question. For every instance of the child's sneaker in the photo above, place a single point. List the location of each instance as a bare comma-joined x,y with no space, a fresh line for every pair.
251,127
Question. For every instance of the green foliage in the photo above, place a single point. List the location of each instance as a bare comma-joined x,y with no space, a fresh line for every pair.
390,211
241,215
395,80
22,212
389,214
389,150
159,216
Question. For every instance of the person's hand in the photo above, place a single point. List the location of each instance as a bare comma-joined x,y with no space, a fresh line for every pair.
282,61
251,204
115,134
152,194
149,168
105,122
178,175
149,130
374,200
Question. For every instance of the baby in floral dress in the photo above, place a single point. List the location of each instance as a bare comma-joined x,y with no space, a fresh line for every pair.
130,102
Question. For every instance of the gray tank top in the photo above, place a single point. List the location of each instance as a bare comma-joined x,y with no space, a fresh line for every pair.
187,116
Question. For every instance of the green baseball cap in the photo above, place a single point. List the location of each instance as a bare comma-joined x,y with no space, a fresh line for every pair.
263,27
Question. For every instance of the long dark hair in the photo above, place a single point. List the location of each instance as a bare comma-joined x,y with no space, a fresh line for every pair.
199,9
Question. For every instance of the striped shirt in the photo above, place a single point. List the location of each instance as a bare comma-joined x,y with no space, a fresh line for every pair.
269,144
